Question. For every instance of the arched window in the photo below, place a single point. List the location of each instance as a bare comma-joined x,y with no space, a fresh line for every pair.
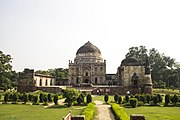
46,82
51,82
96,80
86,73
40,82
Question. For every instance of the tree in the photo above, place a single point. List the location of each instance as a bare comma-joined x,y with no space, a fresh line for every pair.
71,95
49,97
167,99
134,102
116,98
106,97
5,70
119,99
41,96
6,96
14,98
127,98
89,98
55,99
25,98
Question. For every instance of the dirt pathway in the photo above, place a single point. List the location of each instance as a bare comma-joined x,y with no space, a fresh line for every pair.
104,111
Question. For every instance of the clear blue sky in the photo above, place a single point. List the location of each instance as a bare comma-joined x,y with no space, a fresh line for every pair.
42,34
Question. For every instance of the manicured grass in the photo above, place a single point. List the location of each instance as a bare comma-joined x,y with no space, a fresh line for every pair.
101,98
156,113
35,112
166,91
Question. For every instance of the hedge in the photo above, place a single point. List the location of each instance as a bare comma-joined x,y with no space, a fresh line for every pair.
119,113
89,111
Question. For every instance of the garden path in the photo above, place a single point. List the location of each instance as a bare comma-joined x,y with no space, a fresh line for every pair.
104,111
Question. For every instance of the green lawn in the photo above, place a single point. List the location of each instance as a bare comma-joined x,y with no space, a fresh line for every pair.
166,91
156,113
35,112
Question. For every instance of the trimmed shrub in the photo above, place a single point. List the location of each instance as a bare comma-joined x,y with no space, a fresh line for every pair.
167,99
155,99
148,98
160,98
174,99
14,98
143,98
106,97
41,96
137,97
49,97
31,97
134,102
116,98
55,99
25,98
89,111
127,98
119,99
89,98
45,99
118,112
6,96
35,99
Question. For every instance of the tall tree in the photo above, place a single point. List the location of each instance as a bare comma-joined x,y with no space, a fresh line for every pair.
5,70
161,65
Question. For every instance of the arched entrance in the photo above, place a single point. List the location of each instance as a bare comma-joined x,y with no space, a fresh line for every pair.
86,81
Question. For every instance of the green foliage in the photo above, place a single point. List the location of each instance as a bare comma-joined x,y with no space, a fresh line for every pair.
155,99
134,102
5,71
80,99
25,98
89,98
89,111
167,99
143,98
119,99
6,96
116,98
35,99
127,98
14,98
41,96
160,97
49,97
106,97
31,97
71,95
148,98
55,99
174,99
45,98
118,111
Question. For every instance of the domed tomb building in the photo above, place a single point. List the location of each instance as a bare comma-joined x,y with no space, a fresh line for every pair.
134,76
88,67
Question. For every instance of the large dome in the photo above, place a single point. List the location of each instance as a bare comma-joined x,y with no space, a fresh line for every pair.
88,48
129,61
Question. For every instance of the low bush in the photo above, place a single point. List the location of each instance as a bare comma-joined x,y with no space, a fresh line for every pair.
106,97
118,111
116,98
134,102
89,111
55,99
88,98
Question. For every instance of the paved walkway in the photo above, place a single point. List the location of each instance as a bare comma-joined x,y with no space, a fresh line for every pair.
104,111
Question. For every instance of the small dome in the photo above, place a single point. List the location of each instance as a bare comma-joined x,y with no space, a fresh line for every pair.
129,61
88,48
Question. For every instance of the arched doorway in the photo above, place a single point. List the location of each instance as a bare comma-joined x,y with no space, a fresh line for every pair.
86,81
